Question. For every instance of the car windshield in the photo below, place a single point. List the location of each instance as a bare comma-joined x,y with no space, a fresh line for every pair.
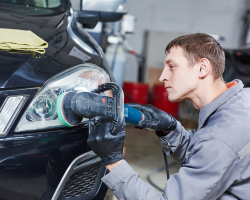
36,3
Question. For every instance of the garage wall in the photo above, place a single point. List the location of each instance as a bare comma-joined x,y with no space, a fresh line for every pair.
223,17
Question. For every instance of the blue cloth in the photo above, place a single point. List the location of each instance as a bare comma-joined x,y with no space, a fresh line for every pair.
215,158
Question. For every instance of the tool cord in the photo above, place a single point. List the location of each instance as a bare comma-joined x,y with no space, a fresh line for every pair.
166,167
166,164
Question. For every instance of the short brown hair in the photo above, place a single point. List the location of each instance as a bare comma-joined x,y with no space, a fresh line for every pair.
199,45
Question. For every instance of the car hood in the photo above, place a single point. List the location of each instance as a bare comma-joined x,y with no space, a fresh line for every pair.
42,22
23,70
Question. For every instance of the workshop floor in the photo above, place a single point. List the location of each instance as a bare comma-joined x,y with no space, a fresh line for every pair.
144,154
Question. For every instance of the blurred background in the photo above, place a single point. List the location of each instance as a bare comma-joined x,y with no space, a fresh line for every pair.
135,49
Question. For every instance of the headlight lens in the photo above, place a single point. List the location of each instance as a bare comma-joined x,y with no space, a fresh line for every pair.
41,113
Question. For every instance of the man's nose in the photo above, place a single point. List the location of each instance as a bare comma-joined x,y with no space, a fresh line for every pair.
164,75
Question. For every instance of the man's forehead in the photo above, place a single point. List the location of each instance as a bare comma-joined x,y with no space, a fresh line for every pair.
174,54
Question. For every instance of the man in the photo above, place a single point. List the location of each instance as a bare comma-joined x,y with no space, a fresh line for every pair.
216,158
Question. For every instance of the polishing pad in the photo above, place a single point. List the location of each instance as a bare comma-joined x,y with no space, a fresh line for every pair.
65,112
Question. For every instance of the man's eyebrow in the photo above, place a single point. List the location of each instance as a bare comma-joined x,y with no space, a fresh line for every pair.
168,61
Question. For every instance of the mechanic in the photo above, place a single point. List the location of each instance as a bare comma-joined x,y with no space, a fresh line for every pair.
216,157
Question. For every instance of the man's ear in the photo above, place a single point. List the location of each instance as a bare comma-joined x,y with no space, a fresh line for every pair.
205,67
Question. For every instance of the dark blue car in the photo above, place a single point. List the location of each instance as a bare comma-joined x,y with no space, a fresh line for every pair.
39,157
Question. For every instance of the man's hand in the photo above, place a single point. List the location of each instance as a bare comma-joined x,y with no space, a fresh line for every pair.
156,118
106,145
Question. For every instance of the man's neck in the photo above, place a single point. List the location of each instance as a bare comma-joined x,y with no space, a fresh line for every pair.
207,91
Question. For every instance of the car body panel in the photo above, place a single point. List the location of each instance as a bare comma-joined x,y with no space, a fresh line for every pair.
21,70
33,163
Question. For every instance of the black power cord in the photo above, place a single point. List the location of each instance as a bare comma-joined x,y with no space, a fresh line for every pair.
166,164
159,170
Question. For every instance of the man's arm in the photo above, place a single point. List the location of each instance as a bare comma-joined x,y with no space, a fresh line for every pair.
209,172
175,143
177,140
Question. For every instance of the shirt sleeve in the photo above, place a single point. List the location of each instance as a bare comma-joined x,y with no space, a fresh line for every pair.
126,184
208,173
176,142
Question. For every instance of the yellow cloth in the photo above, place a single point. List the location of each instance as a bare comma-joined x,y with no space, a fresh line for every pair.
21,41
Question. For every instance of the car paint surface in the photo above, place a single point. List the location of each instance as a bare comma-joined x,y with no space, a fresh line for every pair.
33,163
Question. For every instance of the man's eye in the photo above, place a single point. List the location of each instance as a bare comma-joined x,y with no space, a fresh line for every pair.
171,66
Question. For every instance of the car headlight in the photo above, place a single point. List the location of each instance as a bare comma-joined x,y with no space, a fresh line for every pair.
41,113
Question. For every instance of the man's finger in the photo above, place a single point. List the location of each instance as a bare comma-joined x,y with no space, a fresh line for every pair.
135,105
137,127
92,128
145,123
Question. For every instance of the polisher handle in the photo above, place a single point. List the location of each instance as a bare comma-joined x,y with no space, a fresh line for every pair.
132,115
118,97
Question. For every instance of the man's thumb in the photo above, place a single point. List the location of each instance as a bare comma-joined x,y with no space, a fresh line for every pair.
145,123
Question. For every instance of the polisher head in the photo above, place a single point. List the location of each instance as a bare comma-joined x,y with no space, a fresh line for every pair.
65,112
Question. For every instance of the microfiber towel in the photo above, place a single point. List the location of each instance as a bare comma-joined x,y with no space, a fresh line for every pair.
21,41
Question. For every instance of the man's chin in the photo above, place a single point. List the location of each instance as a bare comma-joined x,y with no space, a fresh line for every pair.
173,99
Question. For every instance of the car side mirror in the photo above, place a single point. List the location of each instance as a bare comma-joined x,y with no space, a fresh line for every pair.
90,12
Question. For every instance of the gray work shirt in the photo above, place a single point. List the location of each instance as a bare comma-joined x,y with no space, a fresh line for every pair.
215,158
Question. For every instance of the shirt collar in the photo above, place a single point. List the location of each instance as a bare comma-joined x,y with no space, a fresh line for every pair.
208,109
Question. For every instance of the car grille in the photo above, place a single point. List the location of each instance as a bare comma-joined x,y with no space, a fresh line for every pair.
81,182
